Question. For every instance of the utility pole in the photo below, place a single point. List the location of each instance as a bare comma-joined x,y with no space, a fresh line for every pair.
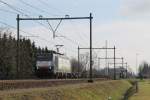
18,47
98,64
91,62
78,61
114,63
108,70
137,63
126,70
122,62
63,18
122,69
106,60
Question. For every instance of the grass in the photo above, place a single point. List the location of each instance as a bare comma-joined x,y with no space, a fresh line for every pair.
84,91
144,91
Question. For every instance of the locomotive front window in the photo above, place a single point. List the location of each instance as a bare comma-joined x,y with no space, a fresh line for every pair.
44,61
45,57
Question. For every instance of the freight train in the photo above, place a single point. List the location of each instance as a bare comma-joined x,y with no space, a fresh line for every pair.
54,65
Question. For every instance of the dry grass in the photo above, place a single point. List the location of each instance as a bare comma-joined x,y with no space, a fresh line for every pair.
24,84
84,91
144,91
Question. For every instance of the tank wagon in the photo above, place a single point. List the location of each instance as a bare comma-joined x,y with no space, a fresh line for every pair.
53,65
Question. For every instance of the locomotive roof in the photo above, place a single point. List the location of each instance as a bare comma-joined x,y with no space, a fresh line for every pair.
49,53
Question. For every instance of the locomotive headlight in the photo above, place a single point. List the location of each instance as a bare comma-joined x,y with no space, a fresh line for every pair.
50,67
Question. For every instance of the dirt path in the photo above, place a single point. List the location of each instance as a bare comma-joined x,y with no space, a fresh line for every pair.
144,91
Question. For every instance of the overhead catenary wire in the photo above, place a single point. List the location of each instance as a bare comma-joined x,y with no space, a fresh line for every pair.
85,37
10,6
60,36
34,20
50,6
41,38
53,30
7,11
25,32
32,34
20,12
36,8
15,9
46,4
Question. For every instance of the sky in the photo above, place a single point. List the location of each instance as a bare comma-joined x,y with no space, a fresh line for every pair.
123,23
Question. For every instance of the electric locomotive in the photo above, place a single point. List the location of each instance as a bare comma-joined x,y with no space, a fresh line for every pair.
53,65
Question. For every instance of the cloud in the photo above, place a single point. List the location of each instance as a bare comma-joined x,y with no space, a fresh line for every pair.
135,7
129,36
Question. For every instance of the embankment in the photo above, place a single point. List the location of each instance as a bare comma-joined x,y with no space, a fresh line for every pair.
85,91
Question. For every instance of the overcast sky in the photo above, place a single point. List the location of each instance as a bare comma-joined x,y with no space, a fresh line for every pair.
123,23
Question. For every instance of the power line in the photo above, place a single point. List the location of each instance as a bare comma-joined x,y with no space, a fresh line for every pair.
53,30
80,35
14,27
58,24
60,36
29,16
15,9
41,38
25,31
12,7
66,18
46,4
30,33
36,8
7,11
50,6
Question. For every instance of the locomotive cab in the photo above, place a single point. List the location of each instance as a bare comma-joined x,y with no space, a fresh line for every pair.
44,65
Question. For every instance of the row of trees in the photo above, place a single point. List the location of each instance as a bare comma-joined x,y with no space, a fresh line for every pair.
27,58
8,56
144,70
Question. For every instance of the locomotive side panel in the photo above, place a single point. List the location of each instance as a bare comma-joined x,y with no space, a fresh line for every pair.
64,65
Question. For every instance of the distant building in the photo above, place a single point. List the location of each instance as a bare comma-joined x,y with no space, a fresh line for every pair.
120,72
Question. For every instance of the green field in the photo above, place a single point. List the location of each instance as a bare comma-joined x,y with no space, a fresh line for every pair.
144,91
84,91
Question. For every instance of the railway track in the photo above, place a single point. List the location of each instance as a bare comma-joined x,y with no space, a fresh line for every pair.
24,84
